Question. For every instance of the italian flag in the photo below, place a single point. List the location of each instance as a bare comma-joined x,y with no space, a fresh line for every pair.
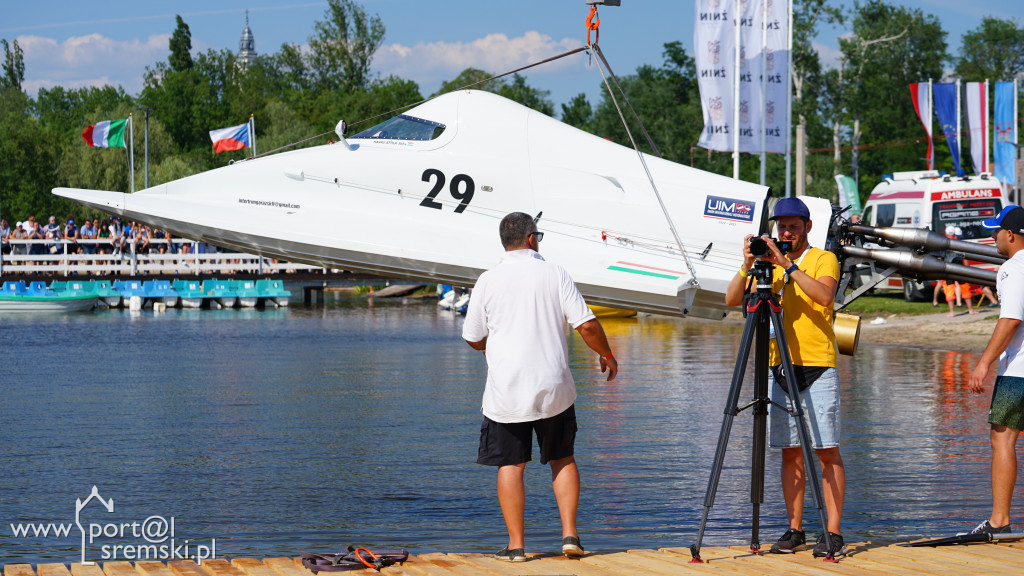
106,134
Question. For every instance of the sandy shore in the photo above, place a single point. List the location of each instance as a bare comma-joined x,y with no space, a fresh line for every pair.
968,333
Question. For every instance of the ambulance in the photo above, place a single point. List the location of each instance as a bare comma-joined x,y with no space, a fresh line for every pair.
931,200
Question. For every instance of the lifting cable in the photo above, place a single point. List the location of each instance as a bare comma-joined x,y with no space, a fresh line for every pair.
593,24
643,162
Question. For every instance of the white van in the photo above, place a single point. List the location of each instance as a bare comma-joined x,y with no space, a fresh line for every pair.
930,200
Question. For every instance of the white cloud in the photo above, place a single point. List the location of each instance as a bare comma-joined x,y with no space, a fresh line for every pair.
830,55
91,60
431,63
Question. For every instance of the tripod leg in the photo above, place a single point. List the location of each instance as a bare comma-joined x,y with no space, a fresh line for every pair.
731,408
805,435
760,407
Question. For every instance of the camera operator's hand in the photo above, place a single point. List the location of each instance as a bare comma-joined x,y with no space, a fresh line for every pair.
748,258
775,256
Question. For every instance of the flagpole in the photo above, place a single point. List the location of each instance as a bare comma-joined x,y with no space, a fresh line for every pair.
958,150
764,78
1016,149
131,153
252,133
986,164
789,107
931,148
736,99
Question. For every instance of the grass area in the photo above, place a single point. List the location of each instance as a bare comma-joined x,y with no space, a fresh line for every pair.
360,290
892,303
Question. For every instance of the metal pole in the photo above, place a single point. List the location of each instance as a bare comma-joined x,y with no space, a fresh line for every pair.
252,133
764,91
931,148
789,108
131,153
986,165
146,112
958,155
736,100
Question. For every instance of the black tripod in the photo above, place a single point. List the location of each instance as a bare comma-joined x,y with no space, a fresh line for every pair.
762,311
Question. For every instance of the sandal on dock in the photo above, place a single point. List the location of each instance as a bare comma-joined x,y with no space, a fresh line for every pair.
357,558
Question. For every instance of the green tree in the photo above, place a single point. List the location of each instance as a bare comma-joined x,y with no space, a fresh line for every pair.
994,50
474,77
578,112
517,90
14,66
667,101
343,45
26,171
181,47
890,47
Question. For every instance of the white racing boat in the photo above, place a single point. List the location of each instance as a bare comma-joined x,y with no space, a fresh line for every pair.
420,196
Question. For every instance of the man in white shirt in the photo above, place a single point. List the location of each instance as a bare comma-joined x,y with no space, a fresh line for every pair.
1006,414
517,316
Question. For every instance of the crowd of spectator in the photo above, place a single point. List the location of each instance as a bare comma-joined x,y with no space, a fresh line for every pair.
110,236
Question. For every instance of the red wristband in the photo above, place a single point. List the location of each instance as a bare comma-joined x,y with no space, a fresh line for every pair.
608,357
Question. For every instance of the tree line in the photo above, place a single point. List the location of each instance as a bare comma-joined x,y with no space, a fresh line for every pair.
857,116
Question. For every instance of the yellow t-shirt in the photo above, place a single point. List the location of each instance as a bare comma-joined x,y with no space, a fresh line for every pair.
808,325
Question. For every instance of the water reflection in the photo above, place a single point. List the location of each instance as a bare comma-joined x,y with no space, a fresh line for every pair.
313,428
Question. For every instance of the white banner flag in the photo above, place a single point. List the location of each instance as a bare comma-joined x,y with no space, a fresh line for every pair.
976,97
714,53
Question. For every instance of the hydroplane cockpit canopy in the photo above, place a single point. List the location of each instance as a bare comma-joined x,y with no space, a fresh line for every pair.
402,127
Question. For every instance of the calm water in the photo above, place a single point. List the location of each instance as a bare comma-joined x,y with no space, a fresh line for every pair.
314,428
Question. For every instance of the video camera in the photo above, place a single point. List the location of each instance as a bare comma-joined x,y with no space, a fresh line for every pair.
759,246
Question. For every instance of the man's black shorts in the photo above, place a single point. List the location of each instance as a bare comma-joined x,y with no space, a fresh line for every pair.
509,444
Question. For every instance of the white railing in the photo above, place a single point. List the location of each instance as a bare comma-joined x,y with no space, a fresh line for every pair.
186,261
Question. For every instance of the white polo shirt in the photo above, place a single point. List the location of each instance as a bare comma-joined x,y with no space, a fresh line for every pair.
521,306
1010,286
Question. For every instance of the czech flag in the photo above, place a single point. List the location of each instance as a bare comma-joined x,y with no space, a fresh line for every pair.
106,134
233,138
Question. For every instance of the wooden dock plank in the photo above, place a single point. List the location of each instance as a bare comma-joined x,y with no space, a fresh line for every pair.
119,568
716,566
725,558
457,564
52,570
1008,555
286,567
809,564
185,568
19,570
960,555
220,567
253,567
926,561
889,565
866,559
152,568
619,563
546,563
434,564
79,569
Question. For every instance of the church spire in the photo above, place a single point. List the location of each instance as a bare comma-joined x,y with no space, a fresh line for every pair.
246,45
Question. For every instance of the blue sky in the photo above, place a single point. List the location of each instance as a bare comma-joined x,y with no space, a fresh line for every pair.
85,43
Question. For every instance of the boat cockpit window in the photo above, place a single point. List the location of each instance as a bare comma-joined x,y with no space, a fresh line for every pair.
402,127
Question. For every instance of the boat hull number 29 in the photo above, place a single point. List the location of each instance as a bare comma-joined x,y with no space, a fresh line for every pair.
461,189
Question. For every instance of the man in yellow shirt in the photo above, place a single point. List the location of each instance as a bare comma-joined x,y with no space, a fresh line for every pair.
806,280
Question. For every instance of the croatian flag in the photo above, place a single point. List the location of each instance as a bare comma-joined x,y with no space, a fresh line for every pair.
919,93
106,134
234,138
